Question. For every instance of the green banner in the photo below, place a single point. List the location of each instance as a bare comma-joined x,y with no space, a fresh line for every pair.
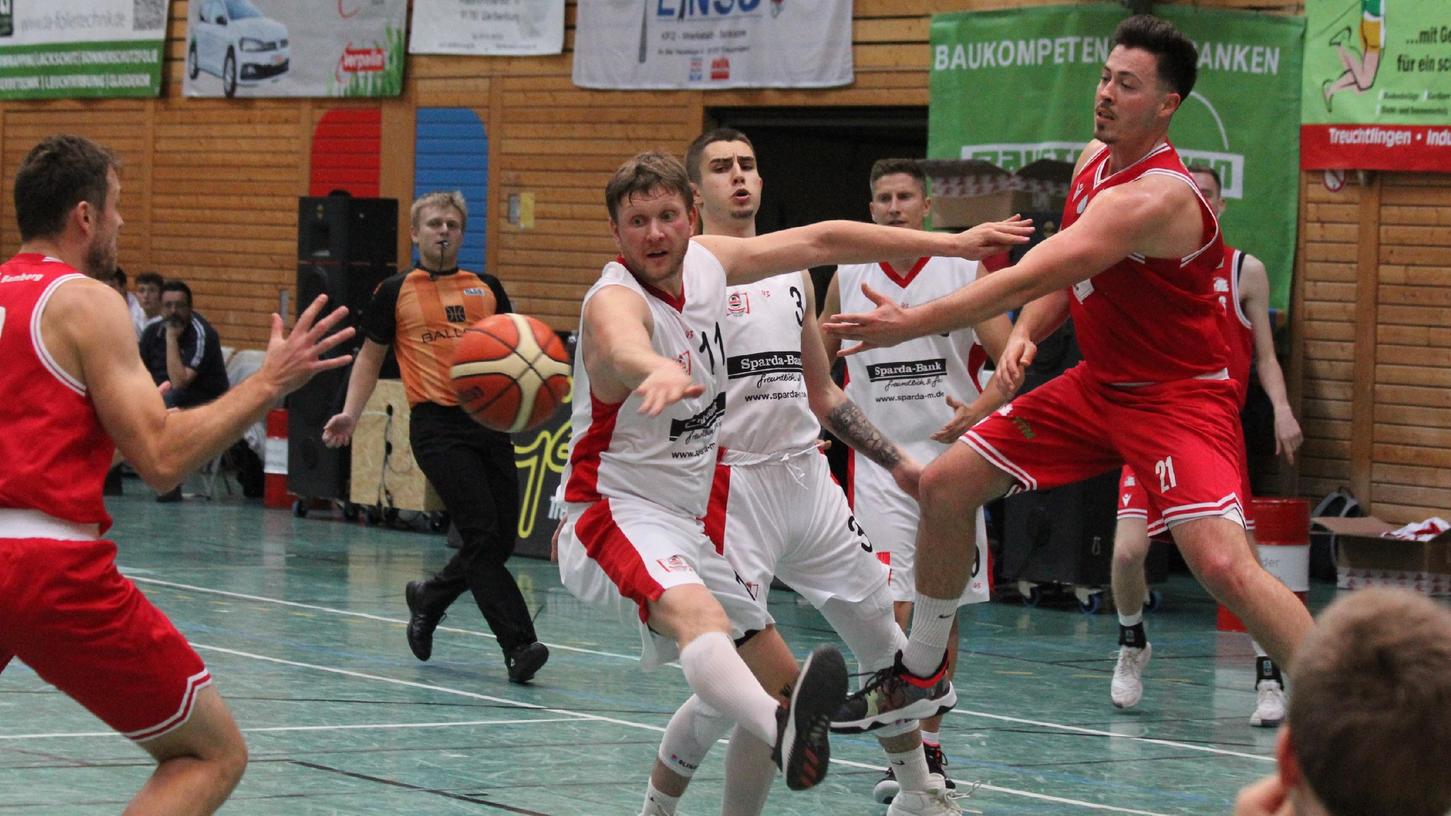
1014,86
1377,85
81,48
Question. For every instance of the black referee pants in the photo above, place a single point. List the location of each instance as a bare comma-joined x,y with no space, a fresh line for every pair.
472,469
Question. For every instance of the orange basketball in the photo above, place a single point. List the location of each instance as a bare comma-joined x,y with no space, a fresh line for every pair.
510,372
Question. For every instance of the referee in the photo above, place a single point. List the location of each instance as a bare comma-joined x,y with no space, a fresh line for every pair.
423,312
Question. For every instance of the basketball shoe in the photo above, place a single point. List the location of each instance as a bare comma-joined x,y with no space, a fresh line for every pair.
803,746
934,801
1269,705
1128,683
894,694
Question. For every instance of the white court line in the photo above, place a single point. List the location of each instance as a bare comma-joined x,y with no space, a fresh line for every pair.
349,613
1111,735
1097,732
276,728
578,715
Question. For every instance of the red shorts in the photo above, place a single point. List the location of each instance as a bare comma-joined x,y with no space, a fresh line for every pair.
1133,501
88,631
1184,434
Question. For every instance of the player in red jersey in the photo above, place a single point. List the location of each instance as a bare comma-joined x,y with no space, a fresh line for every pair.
1133,264
1242,288
76,391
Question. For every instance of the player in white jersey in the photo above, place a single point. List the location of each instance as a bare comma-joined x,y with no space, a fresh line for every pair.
775,509
649,374
922,389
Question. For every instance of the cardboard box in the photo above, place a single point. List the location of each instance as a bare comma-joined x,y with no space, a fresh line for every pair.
383,464
967,192
1364,558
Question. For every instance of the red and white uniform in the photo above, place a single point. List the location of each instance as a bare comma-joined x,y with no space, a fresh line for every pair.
775,510
1239,335
903,390
67,612
1153,390
636,486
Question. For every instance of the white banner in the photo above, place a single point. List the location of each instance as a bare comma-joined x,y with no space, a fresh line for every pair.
487,27
77,48
295,47
704,44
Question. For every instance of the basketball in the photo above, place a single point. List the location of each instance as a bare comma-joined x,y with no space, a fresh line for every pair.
510,372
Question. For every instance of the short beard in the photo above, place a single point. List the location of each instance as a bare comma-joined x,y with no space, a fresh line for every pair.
100,260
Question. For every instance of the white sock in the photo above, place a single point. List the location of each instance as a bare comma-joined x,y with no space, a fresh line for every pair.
1131,620
931,738
931,627
714,671
692,731
910,768
659,800
749,772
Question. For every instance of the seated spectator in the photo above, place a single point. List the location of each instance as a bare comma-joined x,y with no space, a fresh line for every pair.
148,293
133,305
182,348
1369,727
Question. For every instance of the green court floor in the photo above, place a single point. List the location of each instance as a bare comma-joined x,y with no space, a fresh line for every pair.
301,622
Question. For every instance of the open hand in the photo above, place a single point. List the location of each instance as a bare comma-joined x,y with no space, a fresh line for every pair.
886,325
993,237
292,359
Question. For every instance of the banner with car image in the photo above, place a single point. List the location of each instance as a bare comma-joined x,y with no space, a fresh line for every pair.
54,49
254,48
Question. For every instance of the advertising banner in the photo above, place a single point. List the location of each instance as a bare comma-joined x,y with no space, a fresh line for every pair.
487,27
52,49
290,48
1377,85
1011,87
701,44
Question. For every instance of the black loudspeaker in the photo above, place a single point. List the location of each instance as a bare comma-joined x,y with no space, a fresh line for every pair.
346,246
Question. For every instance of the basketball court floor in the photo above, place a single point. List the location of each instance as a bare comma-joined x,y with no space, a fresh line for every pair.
301,621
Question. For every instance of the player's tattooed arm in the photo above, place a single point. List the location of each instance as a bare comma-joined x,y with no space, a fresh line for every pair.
852,427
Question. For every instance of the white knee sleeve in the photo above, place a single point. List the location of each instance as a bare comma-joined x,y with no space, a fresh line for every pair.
690,734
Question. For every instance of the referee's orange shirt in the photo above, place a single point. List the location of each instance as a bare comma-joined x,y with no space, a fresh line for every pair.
423,314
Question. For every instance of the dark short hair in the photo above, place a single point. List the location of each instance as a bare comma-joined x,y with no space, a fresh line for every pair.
149,278
1208,171
175,285
55,176
891,167
1370,708
697,148
646,172
120,275
1175,54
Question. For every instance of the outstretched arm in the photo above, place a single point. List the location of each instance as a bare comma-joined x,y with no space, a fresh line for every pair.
89,332
1254,288
843,242
619,357
1121,220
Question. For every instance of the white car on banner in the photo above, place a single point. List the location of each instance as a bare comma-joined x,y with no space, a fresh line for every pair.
234,41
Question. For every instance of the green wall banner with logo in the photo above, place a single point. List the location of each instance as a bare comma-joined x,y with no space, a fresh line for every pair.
1011,87
54,49
1377,85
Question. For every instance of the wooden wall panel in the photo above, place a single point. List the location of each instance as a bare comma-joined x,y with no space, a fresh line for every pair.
210,190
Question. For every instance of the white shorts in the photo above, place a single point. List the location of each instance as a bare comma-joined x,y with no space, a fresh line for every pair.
890,517
618,553
785,517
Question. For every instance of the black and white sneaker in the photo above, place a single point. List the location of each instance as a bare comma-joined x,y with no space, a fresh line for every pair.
894,694
937,763
803,747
